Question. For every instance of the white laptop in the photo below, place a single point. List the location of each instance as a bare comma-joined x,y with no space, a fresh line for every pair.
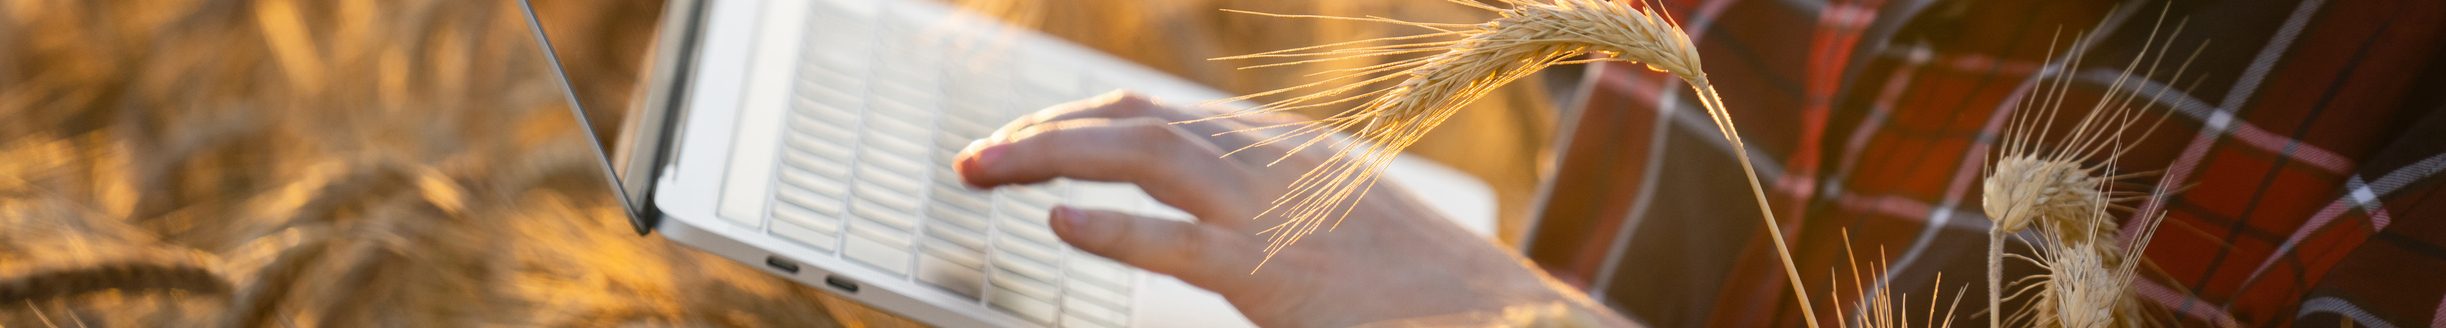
814,138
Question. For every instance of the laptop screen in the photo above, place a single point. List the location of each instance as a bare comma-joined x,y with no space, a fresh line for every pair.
599,62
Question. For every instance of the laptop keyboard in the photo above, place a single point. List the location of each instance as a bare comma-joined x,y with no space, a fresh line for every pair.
880,107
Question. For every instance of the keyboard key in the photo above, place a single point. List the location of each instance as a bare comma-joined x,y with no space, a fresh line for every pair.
905,118
794,196
1075,320
896,174
1029,233
804,236
824,176
817,187
1030,228
926,50
815,125
1031,251
820,145
947,144
857,12
892,171
1031,287
890,258
938,272
890,193
1081,290
951,195
1037,197
902,174
833,91
897,146
946,213
915,61
895,219
907,97
978,111
820,128
1020,305
815,184
1097,313
1082,268
902,143
842,59
822,103
847,44
830,97
826,159
960,255
970,241
1031,214
888,188
887,235
820,222
966,129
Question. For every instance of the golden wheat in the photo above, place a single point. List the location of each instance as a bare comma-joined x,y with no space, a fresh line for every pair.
2086,283
400,190
57,246
2062,186
1398,102
1879,306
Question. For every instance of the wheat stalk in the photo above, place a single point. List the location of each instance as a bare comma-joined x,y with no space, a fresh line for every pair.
1395,103
2062,187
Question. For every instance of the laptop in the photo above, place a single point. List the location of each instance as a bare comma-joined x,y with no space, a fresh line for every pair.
814,139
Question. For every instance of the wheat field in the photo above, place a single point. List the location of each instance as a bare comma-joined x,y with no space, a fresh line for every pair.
357,163
351,163
330,163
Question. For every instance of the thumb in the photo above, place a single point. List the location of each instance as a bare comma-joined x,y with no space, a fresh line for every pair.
1196,254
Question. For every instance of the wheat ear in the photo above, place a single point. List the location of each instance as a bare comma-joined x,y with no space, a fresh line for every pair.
1395,103
2044,181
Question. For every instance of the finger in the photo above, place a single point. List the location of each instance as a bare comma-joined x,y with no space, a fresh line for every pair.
1118,104
1230,133
1115,105
1175,168
1205,256
1123,104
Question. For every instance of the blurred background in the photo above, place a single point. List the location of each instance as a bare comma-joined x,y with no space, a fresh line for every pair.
353,163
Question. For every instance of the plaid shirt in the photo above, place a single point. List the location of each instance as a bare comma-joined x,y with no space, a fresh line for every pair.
2312,140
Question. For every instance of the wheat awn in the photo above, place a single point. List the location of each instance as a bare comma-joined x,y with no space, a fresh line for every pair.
1878,306
1393,104
2062,186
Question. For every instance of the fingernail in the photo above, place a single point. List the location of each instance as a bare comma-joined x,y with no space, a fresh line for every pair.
1066,218
972,162
991,154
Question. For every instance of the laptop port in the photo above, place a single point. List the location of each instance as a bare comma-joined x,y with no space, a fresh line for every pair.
777,263
844,284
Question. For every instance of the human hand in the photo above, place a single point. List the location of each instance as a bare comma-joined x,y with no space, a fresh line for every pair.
1398,260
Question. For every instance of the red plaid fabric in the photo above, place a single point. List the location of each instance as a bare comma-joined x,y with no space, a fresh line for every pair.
2310,133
